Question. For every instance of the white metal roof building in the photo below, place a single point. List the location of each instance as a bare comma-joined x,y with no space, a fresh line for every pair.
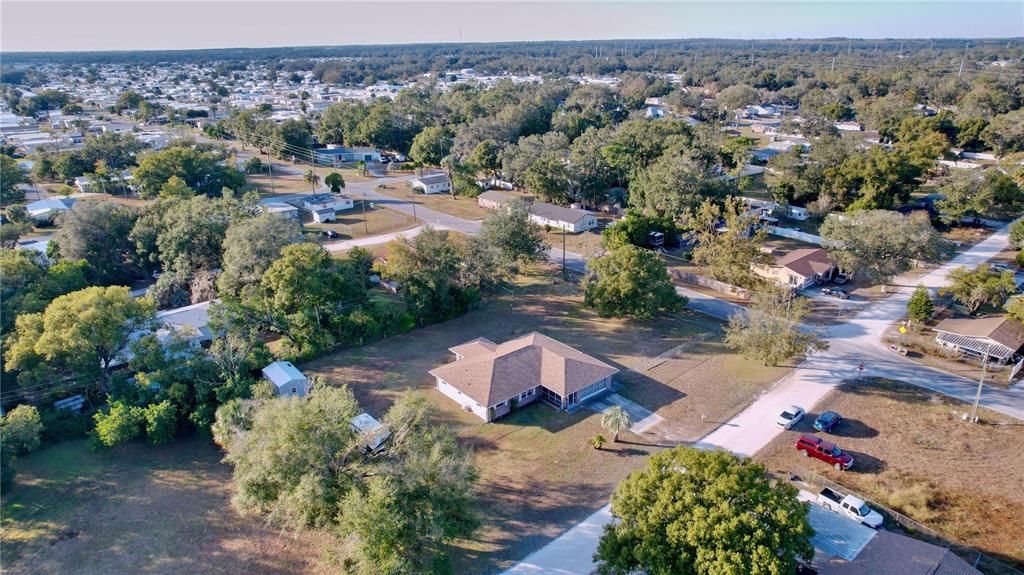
287,380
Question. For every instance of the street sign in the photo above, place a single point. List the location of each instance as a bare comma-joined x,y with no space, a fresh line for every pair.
903,329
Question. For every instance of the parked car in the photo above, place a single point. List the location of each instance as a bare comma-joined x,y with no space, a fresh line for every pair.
789,417
827,421
331,234
1000,267
818,448
852,507
842,277
835,292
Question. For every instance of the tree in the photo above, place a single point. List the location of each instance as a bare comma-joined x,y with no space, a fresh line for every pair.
431,145
299,459
770,329
311,177
335,181
630,281
122,422
511,230
161,421
635,229
597,441
440,276
736,96
672,185
176,188
920,307
980,286
21,429
254,165
1017,234
1015,308
978,193
485,157
11,232
82,331
251,245
1005,133
895,242
549,178
200,170
404,517
691,511
97,232
616,420
11,176
728,253
338,122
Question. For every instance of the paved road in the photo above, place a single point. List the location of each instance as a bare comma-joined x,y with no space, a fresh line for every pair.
853,343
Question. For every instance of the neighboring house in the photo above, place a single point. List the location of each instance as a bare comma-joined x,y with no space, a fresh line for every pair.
999,337
654,112
335,202
190,323
287,380
372,432
282,209
568,219
494,199
45,211
799,269
335,156
849,126
324,215
433,184
490,379
845,547
86,185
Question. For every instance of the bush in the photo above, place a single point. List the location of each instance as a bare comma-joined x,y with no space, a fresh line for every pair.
63,424
7,470
22,429
123,422
161,421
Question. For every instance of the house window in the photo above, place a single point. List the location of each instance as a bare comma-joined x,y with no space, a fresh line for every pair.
294,391
499,405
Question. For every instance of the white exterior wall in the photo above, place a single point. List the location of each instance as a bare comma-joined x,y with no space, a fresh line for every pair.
435,188
462,399
585,223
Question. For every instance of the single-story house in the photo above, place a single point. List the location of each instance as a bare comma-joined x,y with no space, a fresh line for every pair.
336,202
432,184
335,156
85,184
372,432
845,547
999,337
287,380
280,208
799,269
44,211
493,199
190,323
490,379
568,219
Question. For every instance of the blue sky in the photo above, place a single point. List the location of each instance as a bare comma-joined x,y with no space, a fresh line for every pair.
161,24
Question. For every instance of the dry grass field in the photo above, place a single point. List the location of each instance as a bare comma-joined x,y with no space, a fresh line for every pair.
457,206
139,509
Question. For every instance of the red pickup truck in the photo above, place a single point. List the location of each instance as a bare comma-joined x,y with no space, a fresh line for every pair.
814,446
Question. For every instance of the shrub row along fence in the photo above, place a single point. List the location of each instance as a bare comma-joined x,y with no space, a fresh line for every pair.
712,284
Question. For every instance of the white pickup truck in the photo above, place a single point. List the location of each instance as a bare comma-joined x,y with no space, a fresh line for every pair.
850,506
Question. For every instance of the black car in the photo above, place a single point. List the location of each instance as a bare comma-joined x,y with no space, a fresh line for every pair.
827,421
835,292
331,234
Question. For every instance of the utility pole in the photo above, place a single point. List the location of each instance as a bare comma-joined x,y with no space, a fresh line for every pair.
270,170
981,382
564,275
961,72
849,47
366,227
312,168
833,64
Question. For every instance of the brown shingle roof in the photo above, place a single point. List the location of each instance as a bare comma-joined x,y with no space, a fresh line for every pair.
1000,329
490,375
806,261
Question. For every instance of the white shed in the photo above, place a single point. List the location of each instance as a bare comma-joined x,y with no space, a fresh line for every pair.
288,381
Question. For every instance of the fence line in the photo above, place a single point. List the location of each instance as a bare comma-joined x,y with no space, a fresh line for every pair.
704,281
795,234
982,562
